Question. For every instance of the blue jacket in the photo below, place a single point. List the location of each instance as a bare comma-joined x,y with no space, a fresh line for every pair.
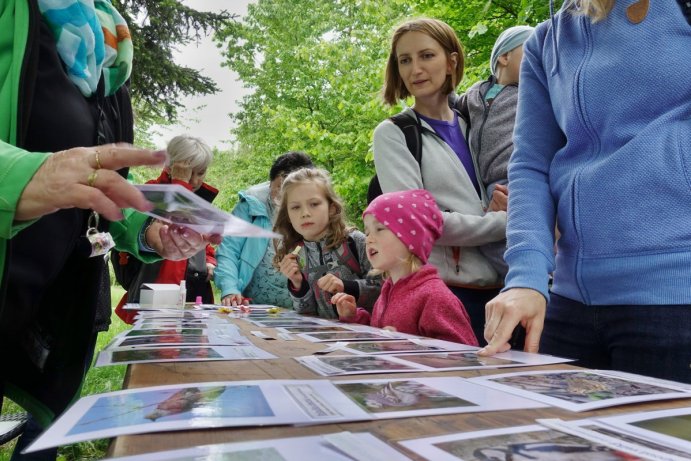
603,146
238,257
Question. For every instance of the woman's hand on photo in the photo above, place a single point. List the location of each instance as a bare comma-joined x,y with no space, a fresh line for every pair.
331,284
291,269
506,311
345,305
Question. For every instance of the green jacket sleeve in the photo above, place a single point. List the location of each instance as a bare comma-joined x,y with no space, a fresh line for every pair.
126,235
17,167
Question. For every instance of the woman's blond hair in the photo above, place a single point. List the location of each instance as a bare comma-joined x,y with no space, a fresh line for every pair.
597,10
394,88
337,228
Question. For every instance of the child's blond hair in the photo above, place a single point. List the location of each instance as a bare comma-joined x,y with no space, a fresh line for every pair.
337,231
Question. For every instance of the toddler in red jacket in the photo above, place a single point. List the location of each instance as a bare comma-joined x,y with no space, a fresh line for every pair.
401,228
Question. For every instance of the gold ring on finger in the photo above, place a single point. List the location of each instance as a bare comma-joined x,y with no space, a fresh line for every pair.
91,180
98,161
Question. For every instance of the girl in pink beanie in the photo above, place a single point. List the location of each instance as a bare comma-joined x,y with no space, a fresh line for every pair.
401,228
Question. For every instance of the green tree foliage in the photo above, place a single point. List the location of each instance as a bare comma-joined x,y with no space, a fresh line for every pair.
479,22
315,68
158,83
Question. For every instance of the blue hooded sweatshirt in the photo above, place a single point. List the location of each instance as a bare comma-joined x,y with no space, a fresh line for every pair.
603,147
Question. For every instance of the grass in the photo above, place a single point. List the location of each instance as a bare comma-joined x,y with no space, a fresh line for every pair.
98,380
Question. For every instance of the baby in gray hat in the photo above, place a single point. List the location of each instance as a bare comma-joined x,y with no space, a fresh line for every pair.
490,105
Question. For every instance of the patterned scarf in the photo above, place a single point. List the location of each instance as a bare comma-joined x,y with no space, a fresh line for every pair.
92,39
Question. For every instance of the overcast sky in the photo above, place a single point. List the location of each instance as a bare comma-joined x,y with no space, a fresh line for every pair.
212,124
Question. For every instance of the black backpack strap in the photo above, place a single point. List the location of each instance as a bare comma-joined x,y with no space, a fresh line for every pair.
412,131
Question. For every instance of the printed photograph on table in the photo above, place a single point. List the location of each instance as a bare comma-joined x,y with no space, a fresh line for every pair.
577,390
175,340
180,354
171,331
669,427
328,336
199,405
333,447
612,437
523,443
315,328
289,322
449,361
393,347
400,398
334,365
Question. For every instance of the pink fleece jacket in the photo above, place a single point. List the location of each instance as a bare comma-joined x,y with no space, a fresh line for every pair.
420,304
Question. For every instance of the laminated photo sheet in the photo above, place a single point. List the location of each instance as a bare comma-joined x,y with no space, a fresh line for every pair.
533,442
668,427
314,328
166,324
128,355
168,308
359,334
469,360
176,339
200,405
340,446
583,390
287,322
413,345
170,314
412,397
612,437
220,330
334,365
175,204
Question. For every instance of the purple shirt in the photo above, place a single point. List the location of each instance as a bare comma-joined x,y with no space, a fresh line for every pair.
451,134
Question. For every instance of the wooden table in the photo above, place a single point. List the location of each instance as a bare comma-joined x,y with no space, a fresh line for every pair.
392,430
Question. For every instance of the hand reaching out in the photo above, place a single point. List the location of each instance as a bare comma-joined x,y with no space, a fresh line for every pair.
345,305
86,178
234,299
331,284
508,309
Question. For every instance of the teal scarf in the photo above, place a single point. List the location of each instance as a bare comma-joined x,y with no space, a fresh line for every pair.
92,40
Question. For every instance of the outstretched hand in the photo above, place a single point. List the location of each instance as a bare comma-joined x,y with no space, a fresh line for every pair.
331,284
508,309
345,305
86,178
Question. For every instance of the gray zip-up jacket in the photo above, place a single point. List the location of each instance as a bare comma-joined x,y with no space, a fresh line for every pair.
310,299
466,224
491,132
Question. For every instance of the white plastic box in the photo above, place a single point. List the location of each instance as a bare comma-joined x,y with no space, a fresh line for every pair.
159,294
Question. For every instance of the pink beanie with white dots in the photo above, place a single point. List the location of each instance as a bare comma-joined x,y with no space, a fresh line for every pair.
413,216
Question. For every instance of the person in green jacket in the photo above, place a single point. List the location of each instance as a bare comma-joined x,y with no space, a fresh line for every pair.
52,189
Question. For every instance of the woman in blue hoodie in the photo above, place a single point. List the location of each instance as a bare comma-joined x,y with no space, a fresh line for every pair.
603,149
